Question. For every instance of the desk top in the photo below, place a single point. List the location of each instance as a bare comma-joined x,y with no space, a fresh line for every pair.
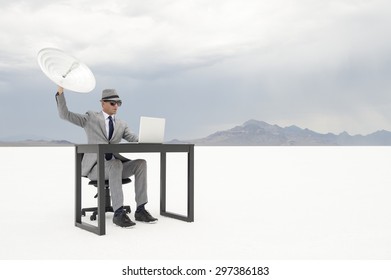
134,147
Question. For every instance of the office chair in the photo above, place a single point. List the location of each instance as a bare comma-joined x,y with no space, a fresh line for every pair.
108,207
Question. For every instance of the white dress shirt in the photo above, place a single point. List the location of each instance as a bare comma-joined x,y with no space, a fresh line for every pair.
106,116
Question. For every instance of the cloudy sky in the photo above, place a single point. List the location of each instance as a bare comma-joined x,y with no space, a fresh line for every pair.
204,65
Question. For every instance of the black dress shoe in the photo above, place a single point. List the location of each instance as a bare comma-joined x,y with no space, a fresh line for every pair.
144,216
123,220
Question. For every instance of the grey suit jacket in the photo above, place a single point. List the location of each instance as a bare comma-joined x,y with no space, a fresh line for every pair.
95,128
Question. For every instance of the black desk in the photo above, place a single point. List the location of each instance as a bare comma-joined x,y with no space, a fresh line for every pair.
163,149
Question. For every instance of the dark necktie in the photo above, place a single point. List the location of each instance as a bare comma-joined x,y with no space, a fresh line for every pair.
111,131
111,127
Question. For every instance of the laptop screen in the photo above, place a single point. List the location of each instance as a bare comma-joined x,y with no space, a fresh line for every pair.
151,130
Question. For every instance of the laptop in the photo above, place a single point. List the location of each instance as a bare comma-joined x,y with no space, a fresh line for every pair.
151,130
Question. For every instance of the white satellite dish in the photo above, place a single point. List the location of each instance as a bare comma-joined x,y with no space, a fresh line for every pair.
65,70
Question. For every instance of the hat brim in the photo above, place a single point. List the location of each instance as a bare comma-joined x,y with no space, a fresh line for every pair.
111,99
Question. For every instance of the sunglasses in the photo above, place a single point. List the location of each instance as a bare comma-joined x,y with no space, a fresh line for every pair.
112,103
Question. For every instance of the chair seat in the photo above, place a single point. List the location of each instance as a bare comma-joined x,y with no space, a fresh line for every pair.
95,182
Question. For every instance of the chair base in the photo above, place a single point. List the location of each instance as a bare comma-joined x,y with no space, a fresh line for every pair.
108,208
94,211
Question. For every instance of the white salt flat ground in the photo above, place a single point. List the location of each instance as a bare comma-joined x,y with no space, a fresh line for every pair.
251,203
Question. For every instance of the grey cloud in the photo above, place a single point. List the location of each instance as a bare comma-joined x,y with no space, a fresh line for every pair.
324,65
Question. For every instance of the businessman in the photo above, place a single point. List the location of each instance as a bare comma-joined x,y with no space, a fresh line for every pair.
105,128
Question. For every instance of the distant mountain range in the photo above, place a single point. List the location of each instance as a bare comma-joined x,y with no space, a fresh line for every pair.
32,142
259,133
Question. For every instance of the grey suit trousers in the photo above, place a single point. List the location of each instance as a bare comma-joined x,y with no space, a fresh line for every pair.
115,171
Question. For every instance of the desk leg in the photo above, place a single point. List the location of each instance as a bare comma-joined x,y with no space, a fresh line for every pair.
78,189
163,183
190,185
101,228
190,188
101,195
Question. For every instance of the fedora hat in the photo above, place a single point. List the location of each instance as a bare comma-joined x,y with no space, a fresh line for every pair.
110,94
